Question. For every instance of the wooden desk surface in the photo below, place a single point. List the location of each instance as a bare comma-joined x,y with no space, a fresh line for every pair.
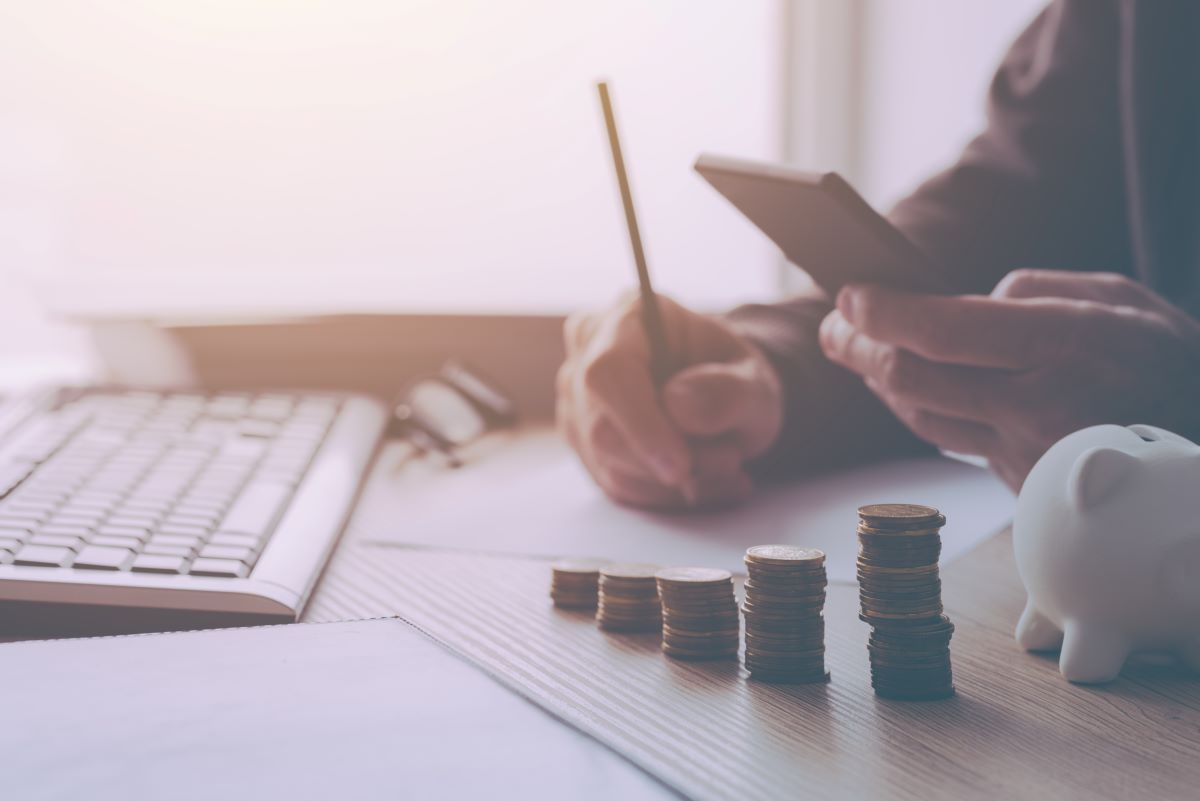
1015,730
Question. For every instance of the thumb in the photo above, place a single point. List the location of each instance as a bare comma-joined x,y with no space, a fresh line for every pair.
706,400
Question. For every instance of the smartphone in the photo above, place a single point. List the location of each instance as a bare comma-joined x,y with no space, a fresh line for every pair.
822,225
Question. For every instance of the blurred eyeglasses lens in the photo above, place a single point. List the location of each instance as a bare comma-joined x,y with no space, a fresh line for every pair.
446,411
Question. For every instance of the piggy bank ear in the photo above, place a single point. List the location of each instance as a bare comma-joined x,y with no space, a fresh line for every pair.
1097,474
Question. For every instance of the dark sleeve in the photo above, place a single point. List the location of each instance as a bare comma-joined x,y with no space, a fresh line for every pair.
831,419
1040,187
1043,185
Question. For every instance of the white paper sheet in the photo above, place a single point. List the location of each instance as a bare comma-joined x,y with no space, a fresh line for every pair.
532,497
363,710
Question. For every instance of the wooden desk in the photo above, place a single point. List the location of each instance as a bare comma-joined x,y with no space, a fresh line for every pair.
1015,730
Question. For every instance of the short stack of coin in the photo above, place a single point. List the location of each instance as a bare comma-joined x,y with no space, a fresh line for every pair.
900,592
575,583
785,629
700,614
628,599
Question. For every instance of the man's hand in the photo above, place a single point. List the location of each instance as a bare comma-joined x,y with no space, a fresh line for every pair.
1006,376
684,444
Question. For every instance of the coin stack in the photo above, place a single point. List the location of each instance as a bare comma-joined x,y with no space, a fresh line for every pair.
628,598
576,583
901,597
785,630
700,614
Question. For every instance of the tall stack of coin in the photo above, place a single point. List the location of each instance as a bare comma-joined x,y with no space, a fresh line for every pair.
901,597
700,614
575,583
628,598
785,629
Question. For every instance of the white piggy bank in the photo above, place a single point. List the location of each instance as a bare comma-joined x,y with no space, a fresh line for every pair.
1107,539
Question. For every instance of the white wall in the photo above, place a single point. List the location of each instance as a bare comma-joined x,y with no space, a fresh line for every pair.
426,154
925,70
343,154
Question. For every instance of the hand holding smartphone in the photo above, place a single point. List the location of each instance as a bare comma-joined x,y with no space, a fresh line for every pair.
822,225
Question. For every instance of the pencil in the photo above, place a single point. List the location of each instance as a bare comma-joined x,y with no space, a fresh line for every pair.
660,354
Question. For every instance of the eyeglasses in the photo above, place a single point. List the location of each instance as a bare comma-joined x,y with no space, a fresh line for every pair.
443,412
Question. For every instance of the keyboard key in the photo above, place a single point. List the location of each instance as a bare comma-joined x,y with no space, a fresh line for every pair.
200,507
261,429
242,540
244,450
25,507
10,532
168,550
95,557
22,521
219,567
255,510
159,563
76,519
95,497
133,543
210,495
136,521
236,552
13,544
176,539
153,494
137,532
89,504
44,556
67,531
206,521
185,531
148,506
275,409
73,543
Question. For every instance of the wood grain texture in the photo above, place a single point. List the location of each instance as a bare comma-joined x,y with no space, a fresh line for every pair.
1015,729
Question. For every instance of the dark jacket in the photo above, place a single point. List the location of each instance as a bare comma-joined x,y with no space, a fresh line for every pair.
1089,161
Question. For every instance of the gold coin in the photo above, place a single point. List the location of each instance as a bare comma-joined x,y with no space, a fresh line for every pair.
784,555
693,575
579,566
889,515
629,571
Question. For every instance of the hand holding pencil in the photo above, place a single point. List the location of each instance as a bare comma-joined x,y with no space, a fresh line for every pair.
663,405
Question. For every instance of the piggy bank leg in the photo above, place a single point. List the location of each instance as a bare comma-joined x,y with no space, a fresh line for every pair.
1091,654
1035,632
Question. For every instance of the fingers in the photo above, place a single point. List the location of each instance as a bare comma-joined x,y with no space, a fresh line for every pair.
610,447
706,339
577,330
949,406
968,330
717,457
948,433
708,491
1110,288
963,392
634,491
707,400
729,406
614,379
